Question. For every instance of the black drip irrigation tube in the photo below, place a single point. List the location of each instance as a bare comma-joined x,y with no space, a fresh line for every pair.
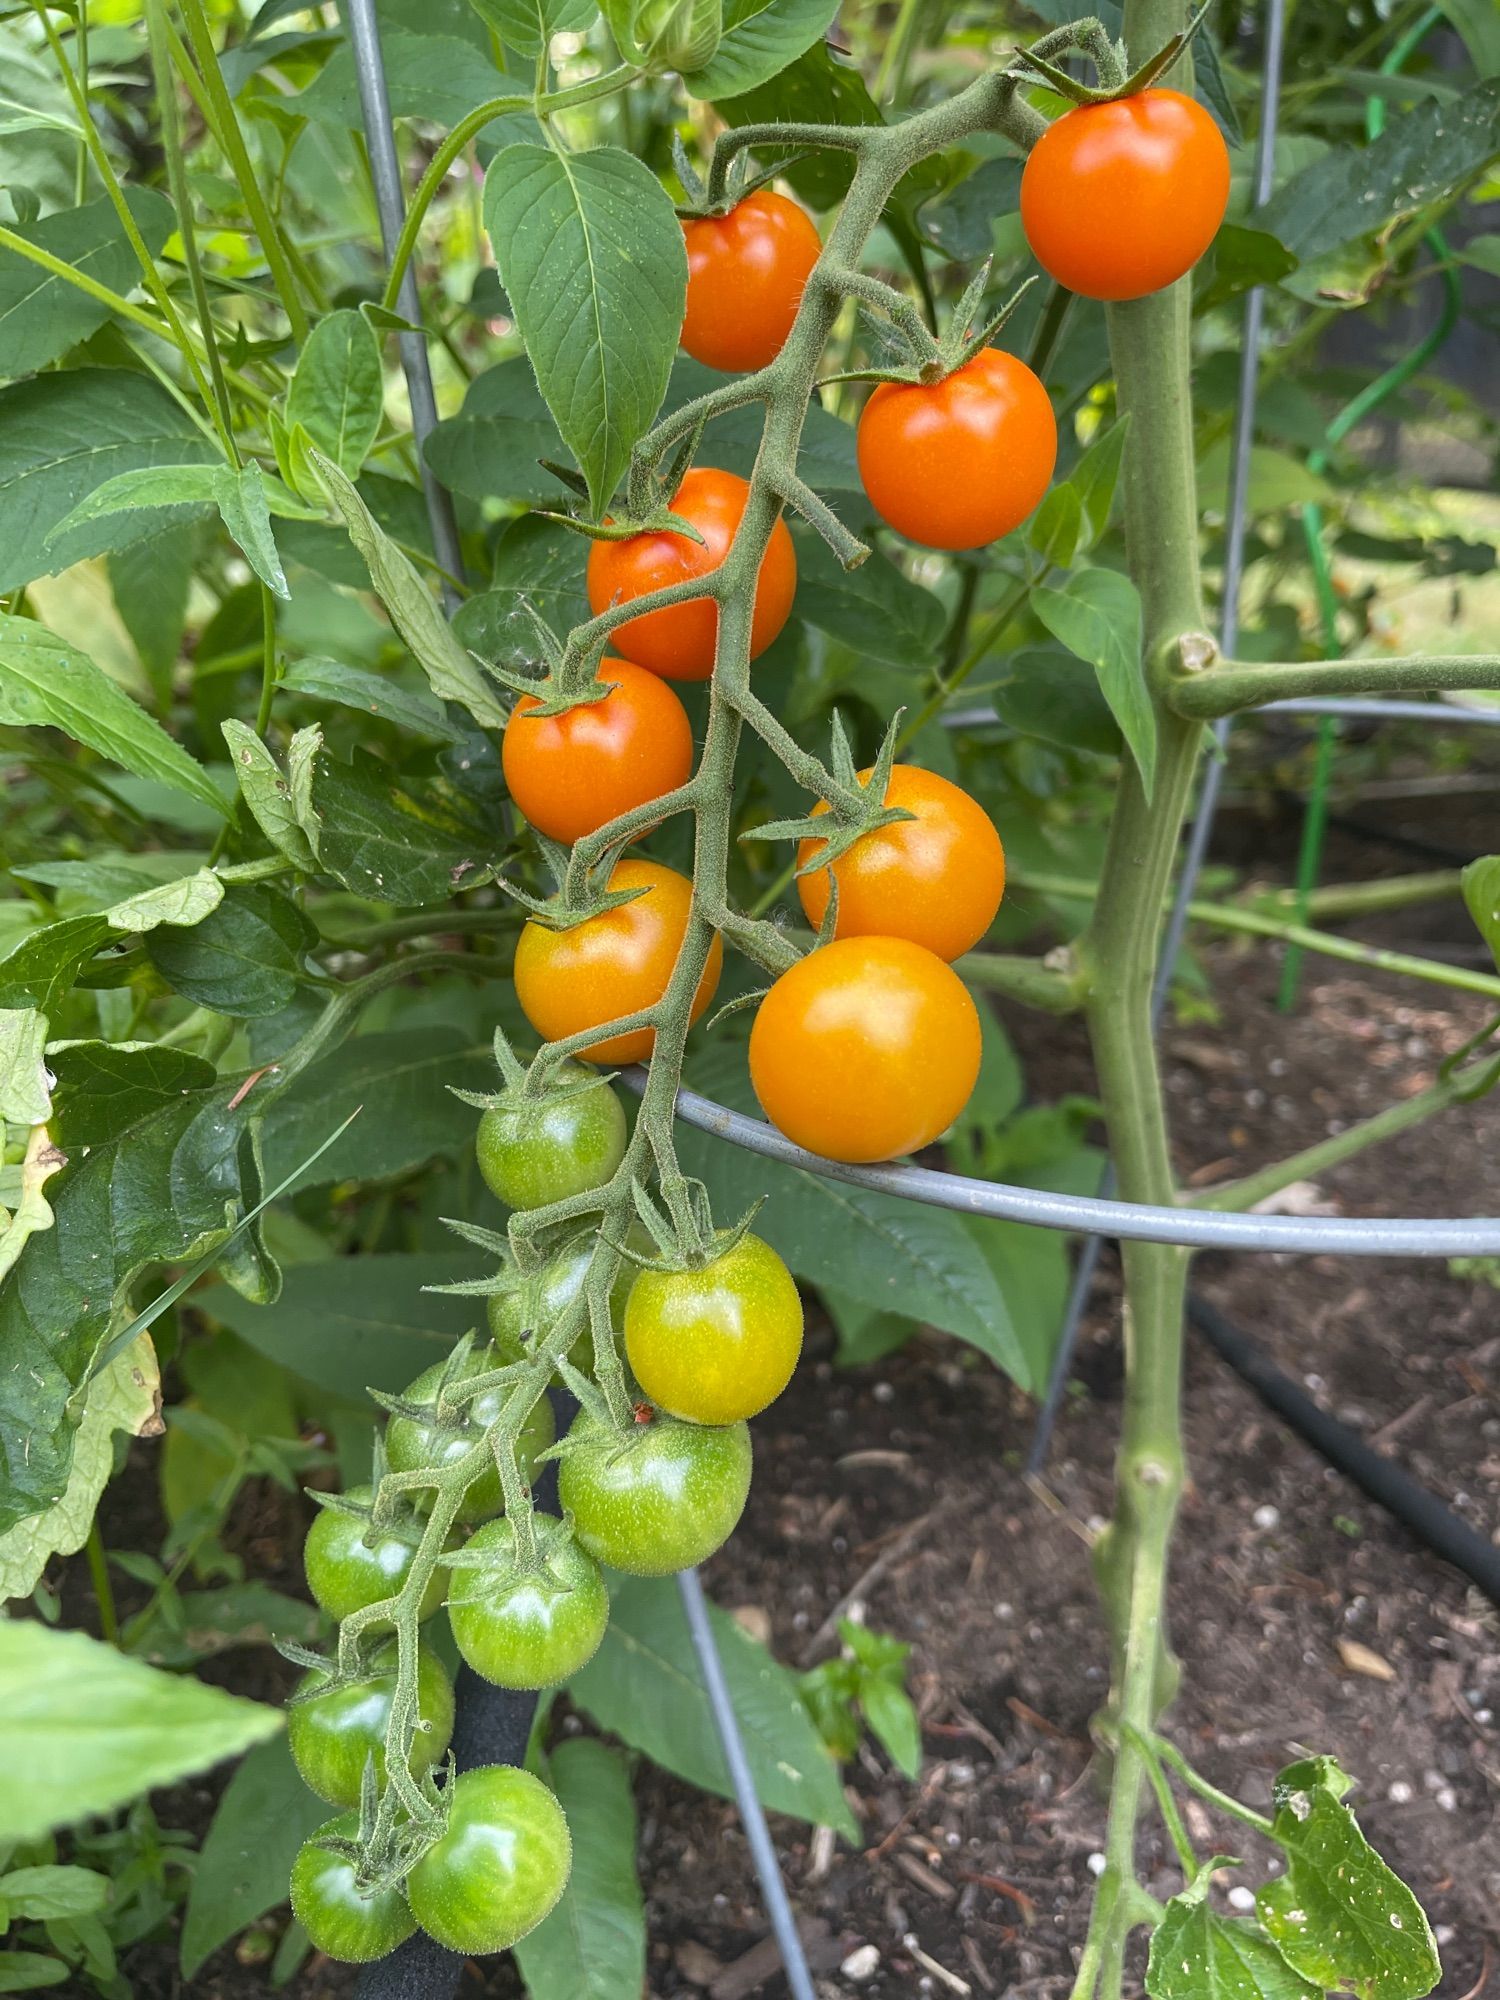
1415,1506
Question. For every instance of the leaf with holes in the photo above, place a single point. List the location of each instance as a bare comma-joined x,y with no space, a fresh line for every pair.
591,255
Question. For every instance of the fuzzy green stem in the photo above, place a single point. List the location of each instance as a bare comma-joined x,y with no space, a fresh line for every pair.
1230,687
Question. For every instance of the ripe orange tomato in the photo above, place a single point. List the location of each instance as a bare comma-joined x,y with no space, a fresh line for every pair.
957,463
866,1048
1119,200
571,774
679,642
611,965
746,273
935,880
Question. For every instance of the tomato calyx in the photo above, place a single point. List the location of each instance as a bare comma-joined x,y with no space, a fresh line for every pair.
742,180
917,356
649,488
853,809
1033,66
488,1572
531,1084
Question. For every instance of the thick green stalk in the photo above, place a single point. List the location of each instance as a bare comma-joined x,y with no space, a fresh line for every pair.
1229,687
1117,956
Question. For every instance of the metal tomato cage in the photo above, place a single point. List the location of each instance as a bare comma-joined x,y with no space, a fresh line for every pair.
493,1724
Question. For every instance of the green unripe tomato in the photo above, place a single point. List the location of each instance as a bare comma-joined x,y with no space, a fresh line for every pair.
532,1628
660,1498
500,1866
349,1564
410,1444
337,1733
536,1303
717,1344
343,1920
333,1735
536,1150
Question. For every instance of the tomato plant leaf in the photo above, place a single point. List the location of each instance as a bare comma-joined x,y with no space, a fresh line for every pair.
25,1095
124,1396
267,791
644,1685
262,1820
893,1720
1097,615
370,694
46,682
103,1088
760,38
243,959
45,964
1481,887
592,257
1056,527
451,673
336,392
348,1323
1339,1916
42,315
83,1728
392,842
1094,479
1197,1955
1478,26
430,75
64,434
183,902
875,609
593,1945
527,26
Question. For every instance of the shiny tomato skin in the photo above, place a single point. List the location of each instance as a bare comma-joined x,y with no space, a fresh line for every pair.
342,1921
717,1344
611,965
866,1049
410,1444
936,879
661,1499
571,774
535,1629
346,1571
679,642
333,1735
746,274
499,1868
958,463
537,1150
1120,200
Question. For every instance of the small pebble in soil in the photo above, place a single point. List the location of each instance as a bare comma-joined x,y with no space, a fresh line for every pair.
1267,1517
1400,1792
884,1392
862,1963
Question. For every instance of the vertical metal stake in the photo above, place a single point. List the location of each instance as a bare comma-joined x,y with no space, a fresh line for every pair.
773,1889
1213,778
385,169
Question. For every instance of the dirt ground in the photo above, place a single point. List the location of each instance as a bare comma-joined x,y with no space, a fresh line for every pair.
1306,1619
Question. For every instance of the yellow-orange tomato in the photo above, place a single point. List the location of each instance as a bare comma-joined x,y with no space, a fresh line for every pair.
935,880
611,965
958,463
571,774
679,642
1120,200
866,1048
746,273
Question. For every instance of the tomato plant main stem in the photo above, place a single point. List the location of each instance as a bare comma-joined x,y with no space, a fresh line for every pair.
1117,956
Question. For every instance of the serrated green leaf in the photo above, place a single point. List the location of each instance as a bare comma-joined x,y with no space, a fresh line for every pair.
644,1685
46,682
1097,615
245,959
267,791
83,1729
42,315
593,1946
1339,1916
66,433
337,388
183,903
451,673
591,256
